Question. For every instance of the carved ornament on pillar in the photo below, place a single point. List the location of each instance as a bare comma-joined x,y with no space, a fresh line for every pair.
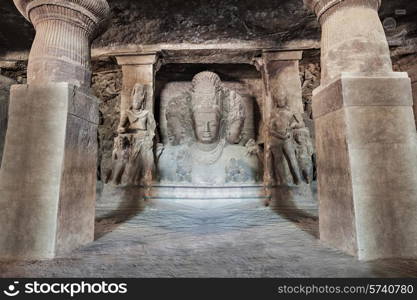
64,32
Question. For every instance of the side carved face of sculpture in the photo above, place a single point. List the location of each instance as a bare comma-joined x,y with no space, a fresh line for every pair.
234,131
236,117
176,130
207,125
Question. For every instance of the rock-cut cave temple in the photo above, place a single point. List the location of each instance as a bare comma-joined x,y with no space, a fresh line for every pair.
208,138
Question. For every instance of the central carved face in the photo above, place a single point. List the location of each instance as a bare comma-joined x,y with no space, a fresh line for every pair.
207,125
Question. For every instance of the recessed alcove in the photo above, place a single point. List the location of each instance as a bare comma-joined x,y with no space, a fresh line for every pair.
174,82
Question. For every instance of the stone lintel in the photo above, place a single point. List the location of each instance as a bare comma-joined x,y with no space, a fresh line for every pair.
138,59
210,56
357,89
282,55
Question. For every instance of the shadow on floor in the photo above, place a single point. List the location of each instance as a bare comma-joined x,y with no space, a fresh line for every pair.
298,205
115,206
404,268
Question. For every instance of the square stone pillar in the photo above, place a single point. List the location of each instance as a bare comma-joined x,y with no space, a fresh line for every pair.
5,84
281,77
47,193
139,68
413,76
367,165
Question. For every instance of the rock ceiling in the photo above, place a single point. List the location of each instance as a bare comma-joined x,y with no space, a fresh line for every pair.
148,22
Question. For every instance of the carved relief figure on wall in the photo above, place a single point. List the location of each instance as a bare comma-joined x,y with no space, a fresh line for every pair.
284,164
305,153
236,117
206,150
137,127
120,158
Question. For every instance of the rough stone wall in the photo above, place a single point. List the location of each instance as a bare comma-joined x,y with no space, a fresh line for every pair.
202,21
15,70
107,85
145,22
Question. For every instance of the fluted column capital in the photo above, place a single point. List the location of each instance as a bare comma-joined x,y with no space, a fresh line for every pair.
64,32
322,7
91,15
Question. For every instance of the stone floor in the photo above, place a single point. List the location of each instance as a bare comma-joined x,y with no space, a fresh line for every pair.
243,239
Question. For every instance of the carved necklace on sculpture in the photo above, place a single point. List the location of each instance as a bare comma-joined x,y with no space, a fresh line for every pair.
207,154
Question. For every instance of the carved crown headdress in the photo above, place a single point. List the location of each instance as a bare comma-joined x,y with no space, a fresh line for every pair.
206,86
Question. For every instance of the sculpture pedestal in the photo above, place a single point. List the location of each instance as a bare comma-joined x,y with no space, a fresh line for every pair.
208,197
48,177
367,161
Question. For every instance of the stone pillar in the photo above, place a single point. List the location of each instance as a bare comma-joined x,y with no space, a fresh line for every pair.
281,77
365,136
64,31
48,175
413,76
353,38
5,84
138,69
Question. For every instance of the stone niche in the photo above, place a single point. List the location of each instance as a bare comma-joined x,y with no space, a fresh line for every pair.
201,131
209,122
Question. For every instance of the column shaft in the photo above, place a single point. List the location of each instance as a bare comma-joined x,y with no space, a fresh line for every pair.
48,174
5,84
365,136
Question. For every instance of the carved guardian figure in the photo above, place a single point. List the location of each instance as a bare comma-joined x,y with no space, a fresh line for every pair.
137,127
